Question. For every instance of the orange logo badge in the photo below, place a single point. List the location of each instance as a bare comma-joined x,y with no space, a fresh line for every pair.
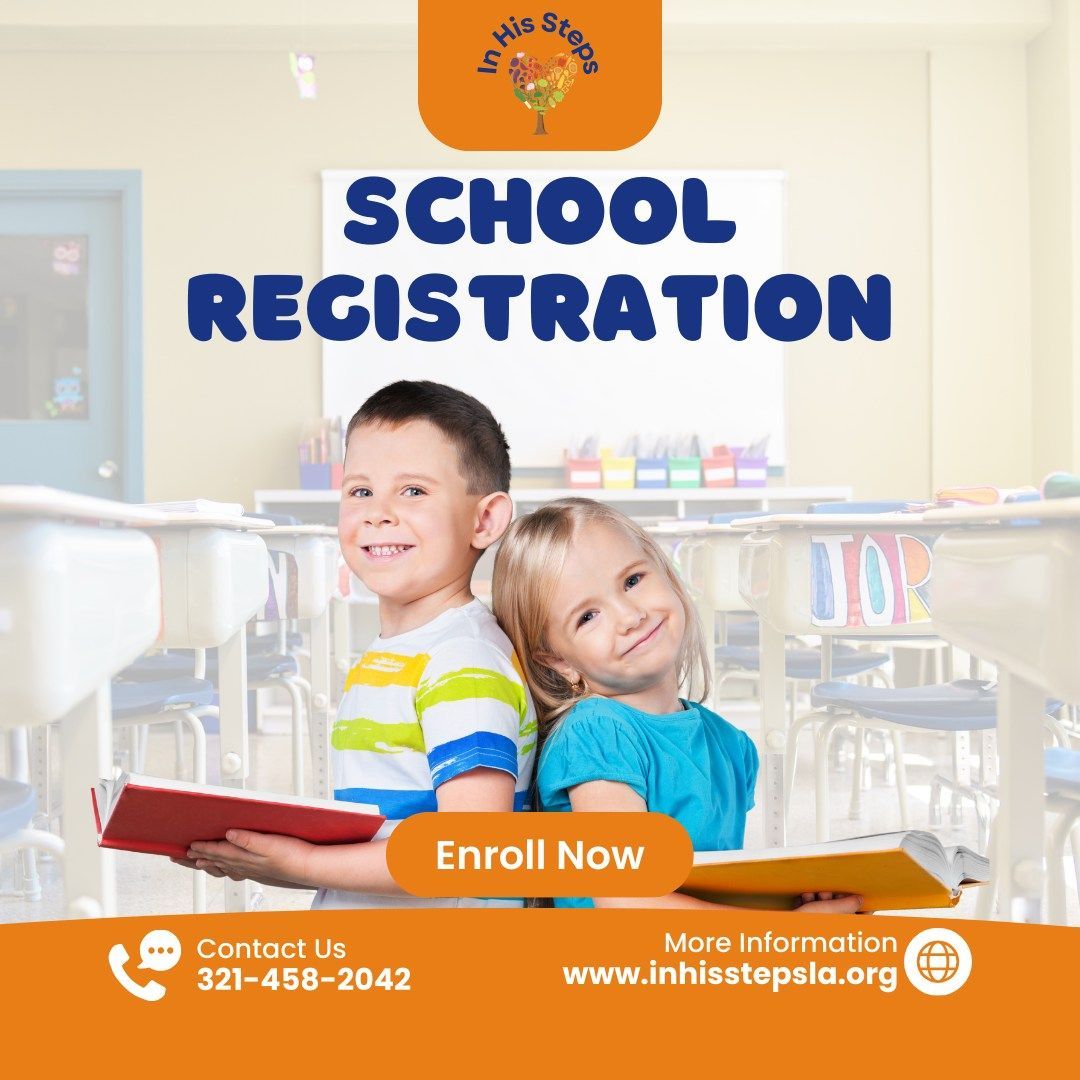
597,50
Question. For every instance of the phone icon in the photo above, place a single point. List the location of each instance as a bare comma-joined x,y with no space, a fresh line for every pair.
118,958
159,950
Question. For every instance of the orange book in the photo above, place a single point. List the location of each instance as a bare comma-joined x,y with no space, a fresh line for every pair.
890,871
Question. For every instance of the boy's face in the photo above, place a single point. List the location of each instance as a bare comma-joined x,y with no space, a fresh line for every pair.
407,525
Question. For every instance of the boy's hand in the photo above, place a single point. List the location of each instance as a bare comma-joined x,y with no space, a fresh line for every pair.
243,854
827,903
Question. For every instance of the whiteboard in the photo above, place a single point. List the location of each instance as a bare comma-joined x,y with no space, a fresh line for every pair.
549,395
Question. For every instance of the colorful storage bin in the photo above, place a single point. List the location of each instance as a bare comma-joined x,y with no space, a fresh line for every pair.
684,472
583,472
651,472
718,469
617,472
750,471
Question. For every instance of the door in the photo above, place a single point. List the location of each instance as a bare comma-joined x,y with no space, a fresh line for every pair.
68,377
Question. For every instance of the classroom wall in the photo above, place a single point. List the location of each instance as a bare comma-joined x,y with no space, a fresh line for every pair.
1054,170
231,162
980,267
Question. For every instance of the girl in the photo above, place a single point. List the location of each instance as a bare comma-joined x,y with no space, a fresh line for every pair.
606,634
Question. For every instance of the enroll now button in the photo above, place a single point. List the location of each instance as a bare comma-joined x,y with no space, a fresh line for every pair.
453,854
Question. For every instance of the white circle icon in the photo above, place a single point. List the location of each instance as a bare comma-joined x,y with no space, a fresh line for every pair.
937,961
159,950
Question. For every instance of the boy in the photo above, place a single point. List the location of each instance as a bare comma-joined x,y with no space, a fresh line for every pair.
436,715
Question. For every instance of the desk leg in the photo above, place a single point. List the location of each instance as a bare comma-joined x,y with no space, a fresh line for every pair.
320,705
235,753
86,757
773,733
1018,852
339,608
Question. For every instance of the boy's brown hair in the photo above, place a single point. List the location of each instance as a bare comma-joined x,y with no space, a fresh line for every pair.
483,453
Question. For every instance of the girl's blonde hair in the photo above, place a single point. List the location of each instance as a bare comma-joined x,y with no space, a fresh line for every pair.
527,570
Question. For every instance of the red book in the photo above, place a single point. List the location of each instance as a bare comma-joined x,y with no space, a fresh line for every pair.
163,817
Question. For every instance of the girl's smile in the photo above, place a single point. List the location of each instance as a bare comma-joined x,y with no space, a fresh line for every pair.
648,638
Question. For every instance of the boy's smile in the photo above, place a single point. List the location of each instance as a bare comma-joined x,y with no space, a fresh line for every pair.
382,552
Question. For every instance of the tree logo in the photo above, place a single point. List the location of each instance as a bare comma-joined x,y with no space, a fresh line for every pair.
541,87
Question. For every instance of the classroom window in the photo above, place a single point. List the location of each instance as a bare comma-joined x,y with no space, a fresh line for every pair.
44,371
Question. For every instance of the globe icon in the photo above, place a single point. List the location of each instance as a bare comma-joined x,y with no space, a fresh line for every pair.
938,961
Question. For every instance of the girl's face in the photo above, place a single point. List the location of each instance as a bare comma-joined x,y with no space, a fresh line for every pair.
615,620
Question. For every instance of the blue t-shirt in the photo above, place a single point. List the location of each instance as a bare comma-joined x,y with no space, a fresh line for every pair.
692,765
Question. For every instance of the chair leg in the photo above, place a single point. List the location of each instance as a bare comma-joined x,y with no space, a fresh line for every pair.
25,880
198,764
821,775
39,773
132,748
877,675
855,806
1057,731
180,749
1074,843
191,718
984,905
961,762
45,842
1055,868
901,778
791,752
296,695
142,741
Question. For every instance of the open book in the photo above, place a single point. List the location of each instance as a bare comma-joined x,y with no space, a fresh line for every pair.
163,817
890,871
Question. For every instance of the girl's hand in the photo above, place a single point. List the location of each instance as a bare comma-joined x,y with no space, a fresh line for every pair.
827,903
243,854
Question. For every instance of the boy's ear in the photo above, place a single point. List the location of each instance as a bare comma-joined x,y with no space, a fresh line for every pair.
493,514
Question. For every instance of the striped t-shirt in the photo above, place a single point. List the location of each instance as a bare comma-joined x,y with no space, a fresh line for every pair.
424,707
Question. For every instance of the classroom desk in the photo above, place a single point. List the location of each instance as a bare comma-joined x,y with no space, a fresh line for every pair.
833,575
681,540
713,558
307,557
215,577
214,573
1007,587
707,557
80,599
